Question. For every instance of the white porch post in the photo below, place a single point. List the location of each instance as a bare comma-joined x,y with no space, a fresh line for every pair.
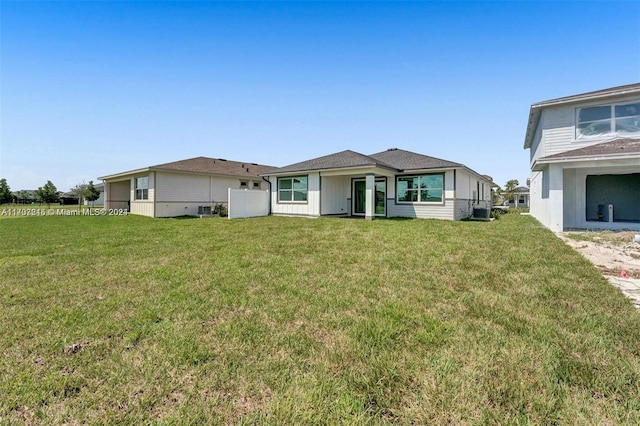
369,209
556,199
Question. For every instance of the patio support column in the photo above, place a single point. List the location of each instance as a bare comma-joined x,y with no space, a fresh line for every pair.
556,199
369,209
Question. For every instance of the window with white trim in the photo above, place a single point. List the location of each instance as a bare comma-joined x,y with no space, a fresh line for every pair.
292,189
142,188
608,119
420,189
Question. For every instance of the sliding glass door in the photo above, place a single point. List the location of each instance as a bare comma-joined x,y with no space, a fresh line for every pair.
360,193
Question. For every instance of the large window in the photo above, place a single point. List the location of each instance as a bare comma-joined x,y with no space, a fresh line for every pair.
420,189
292,189
142,188
606,119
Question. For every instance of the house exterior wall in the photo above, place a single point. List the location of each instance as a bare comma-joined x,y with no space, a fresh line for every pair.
539,207
458,203
180,194
331,193
142,207
575,203
335,195
558,192
309,208
173,194
118,194
556,130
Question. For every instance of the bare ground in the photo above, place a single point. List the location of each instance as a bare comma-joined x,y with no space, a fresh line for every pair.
614,253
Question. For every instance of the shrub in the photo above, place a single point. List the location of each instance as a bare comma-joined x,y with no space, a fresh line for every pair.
221,210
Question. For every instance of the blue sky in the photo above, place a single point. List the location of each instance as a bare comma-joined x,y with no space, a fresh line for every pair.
93,88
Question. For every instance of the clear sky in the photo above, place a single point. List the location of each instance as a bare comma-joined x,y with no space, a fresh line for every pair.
94,88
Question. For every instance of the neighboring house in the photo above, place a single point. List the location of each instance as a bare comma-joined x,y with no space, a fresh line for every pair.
585,160
67,198
521,198
100,201
392,183
180,188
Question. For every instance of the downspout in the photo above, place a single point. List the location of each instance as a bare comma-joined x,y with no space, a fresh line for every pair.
269,184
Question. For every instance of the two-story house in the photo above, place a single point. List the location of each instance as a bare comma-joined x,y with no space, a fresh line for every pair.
585,160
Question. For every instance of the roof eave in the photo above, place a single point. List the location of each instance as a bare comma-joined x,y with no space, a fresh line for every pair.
534,120
324,169
539,164
196,172
123,174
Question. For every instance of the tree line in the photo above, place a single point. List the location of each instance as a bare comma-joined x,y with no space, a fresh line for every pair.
46,194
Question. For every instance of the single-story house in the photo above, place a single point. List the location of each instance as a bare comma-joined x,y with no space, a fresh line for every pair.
520,197
180,188
391,183
585,160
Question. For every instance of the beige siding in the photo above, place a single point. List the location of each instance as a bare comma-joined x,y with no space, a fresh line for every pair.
181,194
179,187
143,207
118,194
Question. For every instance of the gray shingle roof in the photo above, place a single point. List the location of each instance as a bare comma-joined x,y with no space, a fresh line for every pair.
394,159
611,91
214,166
624,146
406,160
205,165
339,160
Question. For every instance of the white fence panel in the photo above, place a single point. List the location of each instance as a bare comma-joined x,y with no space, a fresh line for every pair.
248,203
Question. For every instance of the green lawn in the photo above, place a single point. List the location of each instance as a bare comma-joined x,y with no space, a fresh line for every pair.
298,321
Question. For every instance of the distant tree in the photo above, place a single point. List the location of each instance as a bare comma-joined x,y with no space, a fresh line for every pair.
80,191
92,193
48,193
496,196
510,189
5,192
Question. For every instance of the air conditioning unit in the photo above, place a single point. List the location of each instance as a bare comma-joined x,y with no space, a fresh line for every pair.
204,209
480,213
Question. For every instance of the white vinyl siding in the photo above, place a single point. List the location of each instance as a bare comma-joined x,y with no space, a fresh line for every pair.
143,207
309,208
335,194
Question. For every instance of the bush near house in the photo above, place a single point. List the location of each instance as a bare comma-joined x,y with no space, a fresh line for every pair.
297,321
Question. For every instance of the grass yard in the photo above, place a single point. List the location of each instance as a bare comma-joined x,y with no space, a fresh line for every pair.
297,321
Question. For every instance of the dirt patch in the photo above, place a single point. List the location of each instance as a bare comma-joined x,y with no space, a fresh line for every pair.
611,252
614,253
